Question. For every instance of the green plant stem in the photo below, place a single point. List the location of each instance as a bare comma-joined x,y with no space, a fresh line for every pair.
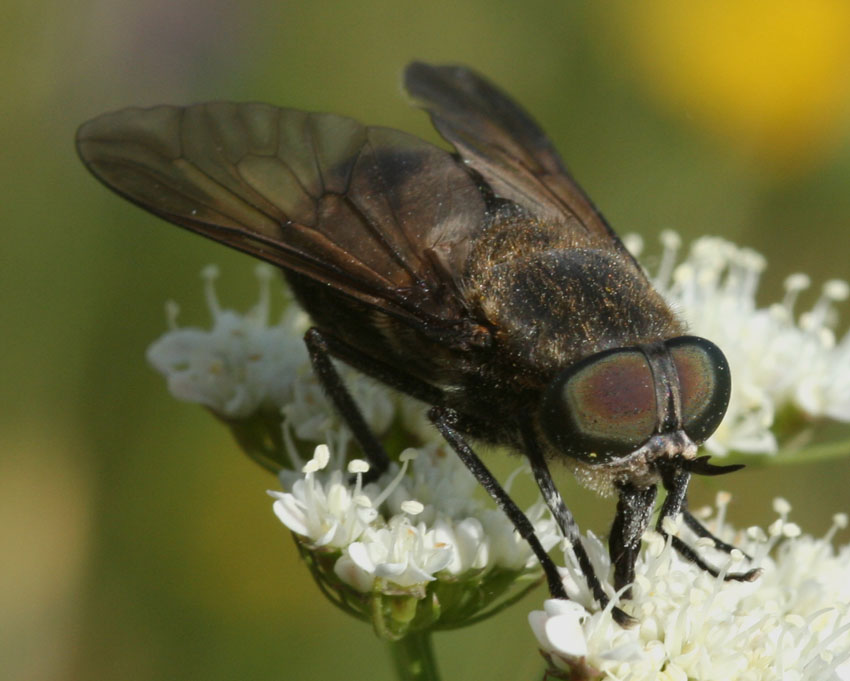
413,657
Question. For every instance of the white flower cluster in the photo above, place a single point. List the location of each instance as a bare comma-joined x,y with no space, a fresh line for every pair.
791,624
776,359
246,363
241,364
435,525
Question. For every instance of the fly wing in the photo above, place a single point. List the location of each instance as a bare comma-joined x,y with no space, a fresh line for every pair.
505,145
375,213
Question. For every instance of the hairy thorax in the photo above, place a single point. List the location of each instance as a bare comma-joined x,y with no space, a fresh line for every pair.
553,299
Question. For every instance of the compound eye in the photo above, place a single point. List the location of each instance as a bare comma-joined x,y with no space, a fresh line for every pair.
704,384
603,408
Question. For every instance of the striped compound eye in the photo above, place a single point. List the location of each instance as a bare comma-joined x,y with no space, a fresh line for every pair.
605,407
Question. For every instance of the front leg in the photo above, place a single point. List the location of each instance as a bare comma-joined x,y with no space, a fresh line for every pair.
634,509
567,524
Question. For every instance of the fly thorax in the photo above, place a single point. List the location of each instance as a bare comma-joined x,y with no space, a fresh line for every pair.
552,308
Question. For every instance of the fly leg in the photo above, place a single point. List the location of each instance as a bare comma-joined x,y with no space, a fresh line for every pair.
322,347
634,508
675,481
702,531
567,524
445,421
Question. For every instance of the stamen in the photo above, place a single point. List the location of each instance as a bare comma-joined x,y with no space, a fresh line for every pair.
209,274
671,242
839,522
782,507
791,530
358,467
405,458
519,470
321,457
412,507
262,309
295,460
754,264
834,291
172,311
722,502
633,243
794,284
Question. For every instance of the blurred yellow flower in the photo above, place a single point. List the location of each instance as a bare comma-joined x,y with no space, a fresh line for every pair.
773,76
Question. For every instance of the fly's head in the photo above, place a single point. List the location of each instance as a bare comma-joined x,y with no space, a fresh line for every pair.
623,415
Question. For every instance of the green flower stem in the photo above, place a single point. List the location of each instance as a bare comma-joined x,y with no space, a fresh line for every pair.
413,657
818,452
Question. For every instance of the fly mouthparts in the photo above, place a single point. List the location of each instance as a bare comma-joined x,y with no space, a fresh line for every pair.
701,466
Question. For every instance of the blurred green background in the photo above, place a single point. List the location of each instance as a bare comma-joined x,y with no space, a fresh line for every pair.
137,542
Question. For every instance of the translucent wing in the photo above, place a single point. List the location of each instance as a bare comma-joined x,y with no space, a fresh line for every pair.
377,214
503,143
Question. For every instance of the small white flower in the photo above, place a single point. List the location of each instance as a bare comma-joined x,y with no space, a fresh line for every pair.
510,550
793,622
558,627
323,507
244,364
483,535
776,359
455,531
241,364
401,553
